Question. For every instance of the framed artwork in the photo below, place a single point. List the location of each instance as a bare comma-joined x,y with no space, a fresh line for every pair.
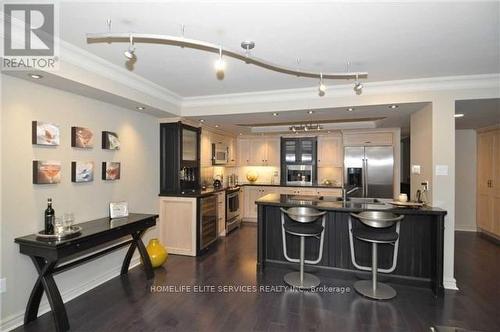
46,172
110,141
110,170
82,138
44,133
82,171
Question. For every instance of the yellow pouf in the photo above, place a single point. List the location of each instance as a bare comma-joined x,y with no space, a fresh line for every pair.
157,253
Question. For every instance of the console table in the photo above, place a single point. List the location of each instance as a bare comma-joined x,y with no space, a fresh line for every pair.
52,257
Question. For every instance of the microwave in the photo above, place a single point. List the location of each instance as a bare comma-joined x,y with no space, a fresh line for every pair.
219,154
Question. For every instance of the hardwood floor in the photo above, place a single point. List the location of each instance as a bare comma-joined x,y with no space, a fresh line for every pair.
127,304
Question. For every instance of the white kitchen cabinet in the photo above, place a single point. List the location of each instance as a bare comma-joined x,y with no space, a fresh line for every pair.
232,152
330,151
206,148
367,138
258,152
250,195
329,192
244,152
273,157
221,213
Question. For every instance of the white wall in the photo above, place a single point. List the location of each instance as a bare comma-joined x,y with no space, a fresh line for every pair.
22,102
465,180
421,149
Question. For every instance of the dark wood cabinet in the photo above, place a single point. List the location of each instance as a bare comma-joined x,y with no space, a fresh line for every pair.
179,158
298,151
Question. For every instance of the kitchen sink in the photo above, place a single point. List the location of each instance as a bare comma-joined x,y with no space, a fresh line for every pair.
362,200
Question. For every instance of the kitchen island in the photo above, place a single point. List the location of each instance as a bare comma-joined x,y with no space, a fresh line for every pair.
420,257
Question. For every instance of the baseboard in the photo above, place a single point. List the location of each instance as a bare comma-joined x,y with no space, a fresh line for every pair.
465,228
450,283
181,251
16,320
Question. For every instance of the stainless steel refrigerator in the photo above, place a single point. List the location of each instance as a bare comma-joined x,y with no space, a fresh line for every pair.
370,169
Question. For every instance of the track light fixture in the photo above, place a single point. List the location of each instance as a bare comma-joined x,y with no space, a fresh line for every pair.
220,66
322,87
130,52
358,87
109,37
305,127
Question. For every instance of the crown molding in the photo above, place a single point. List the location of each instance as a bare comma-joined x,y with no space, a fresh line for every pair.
193,105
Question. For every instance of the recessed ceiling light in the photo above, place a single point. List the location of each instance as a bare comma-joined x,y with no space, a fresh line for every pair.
393,106
216,126
201,120
275,114
310,112
36,76
241,134
350,109
459,115
140,108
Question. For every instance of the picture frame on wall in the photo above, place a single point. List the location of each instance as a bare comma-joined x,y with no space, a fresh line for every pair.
82,138
82,171
110,140
111,170
46,172
45,133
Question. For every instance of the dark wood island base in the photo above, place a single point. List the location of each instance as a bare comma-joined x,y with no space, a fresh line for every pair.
52,257
420,257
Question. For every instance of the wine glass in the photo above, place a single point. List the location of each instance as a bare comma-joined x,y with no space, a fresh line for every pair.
58,226
68,220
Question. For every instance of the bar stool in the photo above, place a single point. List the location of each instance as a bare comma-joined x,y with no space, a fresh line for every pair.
377,232
303,225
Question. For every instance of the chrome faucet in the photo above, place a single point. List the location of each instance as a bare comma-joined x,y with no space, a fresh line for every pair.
346,192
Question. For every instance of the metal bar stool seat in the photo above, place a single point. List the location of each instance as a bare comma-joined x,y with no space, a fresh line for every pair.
300,229
378,231
378,237
303,224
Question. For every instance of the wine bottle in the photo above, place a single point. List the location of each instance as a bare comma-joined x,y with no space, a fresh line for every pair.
49,217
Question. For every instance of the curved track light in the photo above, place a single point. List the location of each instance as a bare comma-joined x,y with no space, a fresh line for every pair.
130,52
209,47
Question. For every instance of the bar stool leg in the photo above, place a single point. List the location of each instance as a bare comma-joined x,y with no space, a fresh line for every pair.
302,254
300,279
374,267
372,288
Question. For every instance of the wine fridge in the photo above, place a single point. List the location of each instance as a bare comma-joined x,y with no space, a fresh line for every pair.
208,221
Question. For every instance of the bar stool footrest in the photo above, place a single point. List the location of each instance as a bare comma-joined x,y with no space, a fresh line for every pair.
309,282
382,292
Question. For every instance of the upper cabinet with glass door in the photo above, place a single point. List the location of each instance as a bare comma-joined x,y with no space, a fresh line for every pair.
189,145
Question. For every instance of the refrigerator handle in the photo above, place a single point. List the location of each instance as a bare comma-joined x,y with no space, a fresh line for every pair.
365,166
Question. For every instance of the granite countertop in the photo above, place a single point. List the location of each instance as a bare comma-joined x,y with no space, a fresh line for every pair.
291,186
332,204
211,190
199,193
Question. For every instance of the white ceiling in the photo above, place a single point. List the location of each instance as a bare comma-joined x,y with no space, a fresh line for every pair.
390,41
382,115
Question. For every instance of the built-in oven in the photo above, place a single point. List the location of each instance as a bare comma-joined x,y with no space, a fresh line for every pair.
219,154
301,175
233,216
208,221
